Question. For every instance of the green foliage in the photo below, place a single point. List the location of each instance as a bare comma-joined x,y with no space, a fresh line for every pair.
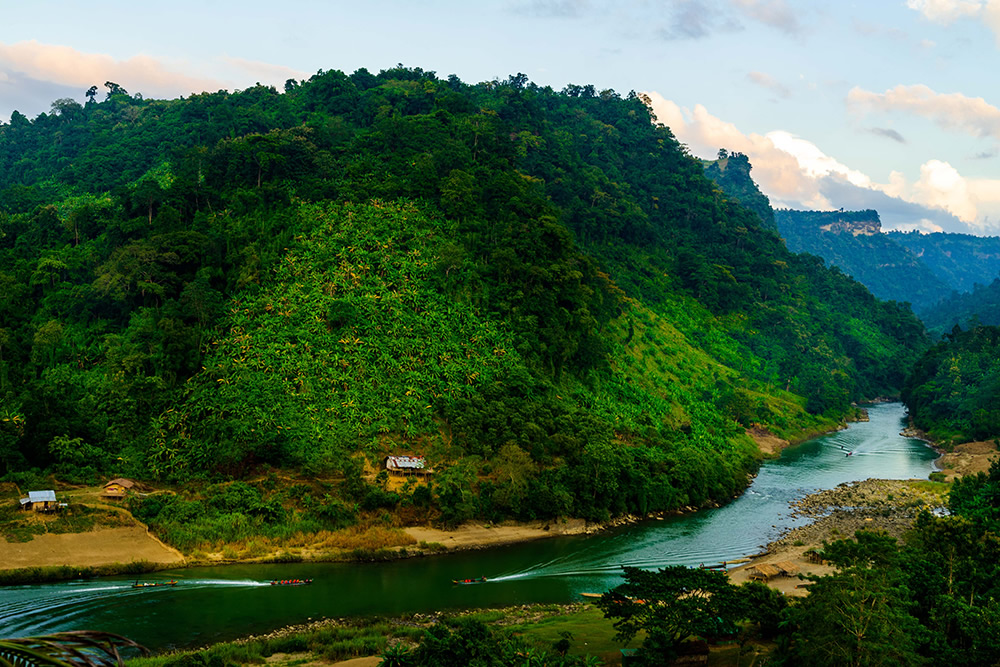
859,616
671,605
954,390
236,512
932,600
970,309
81,648
540,291
961,260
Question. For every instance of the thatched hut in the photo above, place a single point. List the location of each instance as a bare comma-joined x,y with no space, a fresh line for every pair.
768,571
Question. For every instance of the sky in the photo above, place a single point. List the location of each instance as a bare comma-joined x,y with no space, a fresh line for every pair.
886,104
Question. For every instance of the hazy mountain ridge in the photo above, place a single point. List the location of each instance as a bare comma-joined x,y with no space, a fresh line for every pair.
960,260
854,242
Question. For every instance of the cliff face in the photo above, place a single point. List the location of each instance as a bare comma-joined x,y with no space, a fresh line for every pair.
854,227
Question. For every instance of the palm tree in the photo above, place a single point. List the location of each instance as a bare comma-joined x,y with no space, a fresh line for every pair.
67,649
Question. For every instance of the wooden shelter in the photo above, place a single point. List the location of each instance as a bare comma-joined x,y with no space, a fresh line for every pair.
40,501
407,465
117,488
768,571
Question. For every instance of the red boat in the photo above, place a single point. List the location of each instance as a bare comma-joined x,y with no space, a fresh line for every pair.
291,582
480,580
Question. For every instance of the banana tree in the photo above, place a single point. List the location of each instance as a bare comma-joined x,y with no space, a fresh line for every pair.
67,649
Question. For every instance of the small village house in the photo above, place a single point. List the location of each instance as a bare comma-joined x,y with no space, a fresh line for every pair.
40,501
407,465
117,488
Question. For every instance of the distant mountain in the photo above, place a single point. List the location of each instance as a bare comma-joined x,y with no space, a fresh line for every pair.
960,260
853,241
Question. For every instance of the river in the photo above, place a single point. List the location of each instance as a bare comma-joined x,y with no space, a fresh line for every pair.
216,604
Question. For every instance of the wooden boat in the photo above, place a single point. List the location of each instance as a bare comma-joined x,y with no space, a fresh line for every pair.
291,582
480,580
153,584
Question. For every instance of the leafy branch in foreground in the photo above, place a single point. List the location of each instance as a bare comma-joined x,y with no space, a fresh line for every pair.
80,648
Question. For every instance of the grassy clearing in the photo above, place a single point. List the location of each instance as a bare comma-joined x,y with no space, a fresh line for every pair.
17,525
541,626
588,632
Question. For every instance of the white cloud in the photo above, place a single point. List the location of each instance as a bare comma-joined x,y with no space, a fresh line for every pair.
946,11
973,115
796,173
66,66
923,225
777,171
940,185
813,161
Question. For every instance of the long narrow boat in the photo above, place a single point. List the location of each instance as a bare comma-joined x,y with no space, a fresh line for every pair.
291,582
480,580
153,584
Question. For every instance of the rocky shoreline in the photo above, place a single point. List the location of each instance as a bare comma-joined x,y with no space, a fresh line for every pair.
872,504
889,506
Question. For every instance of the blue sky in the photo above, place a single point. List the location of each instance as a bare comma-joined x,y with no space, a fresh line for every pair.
888,104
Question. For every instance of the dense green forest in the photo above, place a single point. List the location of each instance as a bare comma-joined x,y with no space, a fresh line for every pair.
967,310
538,290
953,392
853,242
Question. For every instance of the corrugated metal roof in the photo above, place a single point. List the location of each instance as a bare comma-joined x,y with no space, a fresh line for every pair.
41,496
411,462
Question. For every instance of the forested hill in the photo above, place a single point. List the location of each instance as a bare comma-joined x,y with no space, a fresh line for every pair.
968,310
854,242
960,260
539,291
732,173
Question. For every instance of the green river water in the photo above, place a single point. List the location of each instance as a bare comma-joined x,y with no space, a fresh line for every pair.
216,604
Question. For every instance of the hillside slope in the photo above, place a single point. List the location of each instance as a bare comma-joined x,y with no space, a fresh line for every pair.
539,291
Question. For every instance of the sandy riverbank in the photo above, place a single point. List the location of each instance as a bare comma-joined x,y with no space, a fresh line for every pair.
481,536
967,459
95,548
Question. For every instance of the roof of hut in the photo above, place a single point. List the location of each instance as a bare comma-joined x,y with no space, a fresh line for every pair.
767,570
787,567
405,462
